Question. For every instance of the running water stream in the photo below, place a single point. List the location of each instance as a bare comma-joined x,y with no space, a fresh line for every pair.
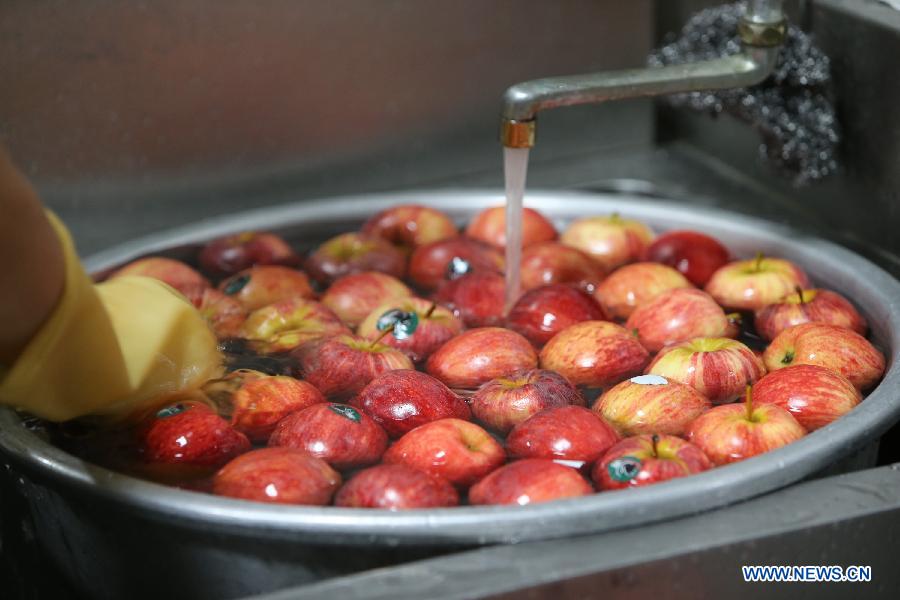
515,169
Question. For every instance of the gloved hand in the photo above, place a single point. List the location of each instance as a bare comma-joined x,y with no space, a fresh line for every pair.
69,348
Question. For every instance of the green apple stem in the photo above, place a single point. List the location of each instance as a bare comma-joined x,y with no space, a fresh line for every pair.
654,440
382,336
748,403
799,291
759,258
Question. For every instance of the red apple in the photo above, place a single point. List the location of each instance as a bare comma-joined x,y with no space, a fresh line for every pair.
224,314
396,487
457,450
646,459
528,482
505,402
429,265
489,226
547,263
278,475
808,306
678,316
168,270
435,325
402,400
354,253
830,346
476,356
651,404
475,298
816,396
354,296
342,365
594,354
233,253
339,434
260,403
190,438
289,323
719,368
633,285
542,312
693,254
409,226
752,284
734,432
568,433
266,284
612,241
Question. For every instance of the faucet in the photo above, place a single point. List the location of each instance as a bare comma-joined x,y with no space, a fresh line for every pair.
762,30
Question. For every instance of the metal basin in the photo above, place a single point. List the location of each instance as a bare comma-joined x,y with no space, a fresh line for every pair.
244,542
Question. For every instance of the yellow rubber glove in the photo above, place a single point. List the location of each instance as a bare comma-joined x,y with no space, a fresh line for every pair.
111,348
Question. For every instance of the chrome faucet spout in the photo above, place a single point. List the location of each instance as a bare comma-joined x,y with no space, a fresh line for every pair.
761,40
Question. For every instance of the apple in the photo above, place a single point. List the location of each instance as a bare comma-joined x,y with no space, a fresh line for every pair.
459,451
547,263
435,325
233,253
651,404
830,346
352,297
719,368
278,475
542,312
478,355
188,439
633,285
430,265
342,365
528,482
693,254
475,298
396,487
734,432
409,226
677,316
594,354
168,270
259,403
224,314
339,434
816,396
489,226
568,433
354,253
646,459
266,284
505,402
401,400
289,323
752,284
612,241
807,306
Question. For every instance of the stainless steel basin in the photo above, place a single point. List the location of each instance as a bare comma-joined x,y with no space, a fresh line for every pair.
73,498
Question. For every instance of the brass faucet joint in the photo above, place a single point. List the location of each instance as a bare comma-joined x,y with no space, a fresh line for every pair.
517,134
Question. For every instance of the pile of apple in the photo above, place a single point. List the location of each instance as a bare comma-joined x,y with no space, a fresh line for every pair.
406,386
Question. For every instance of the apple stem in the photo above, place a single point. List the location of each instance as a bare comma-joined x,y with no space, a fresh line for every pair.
748,403
759,258
799,291
654,440
382,336
431,310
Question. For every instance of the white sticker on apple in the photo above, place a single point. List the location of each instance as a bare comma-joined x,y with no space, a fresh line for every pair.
649,380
